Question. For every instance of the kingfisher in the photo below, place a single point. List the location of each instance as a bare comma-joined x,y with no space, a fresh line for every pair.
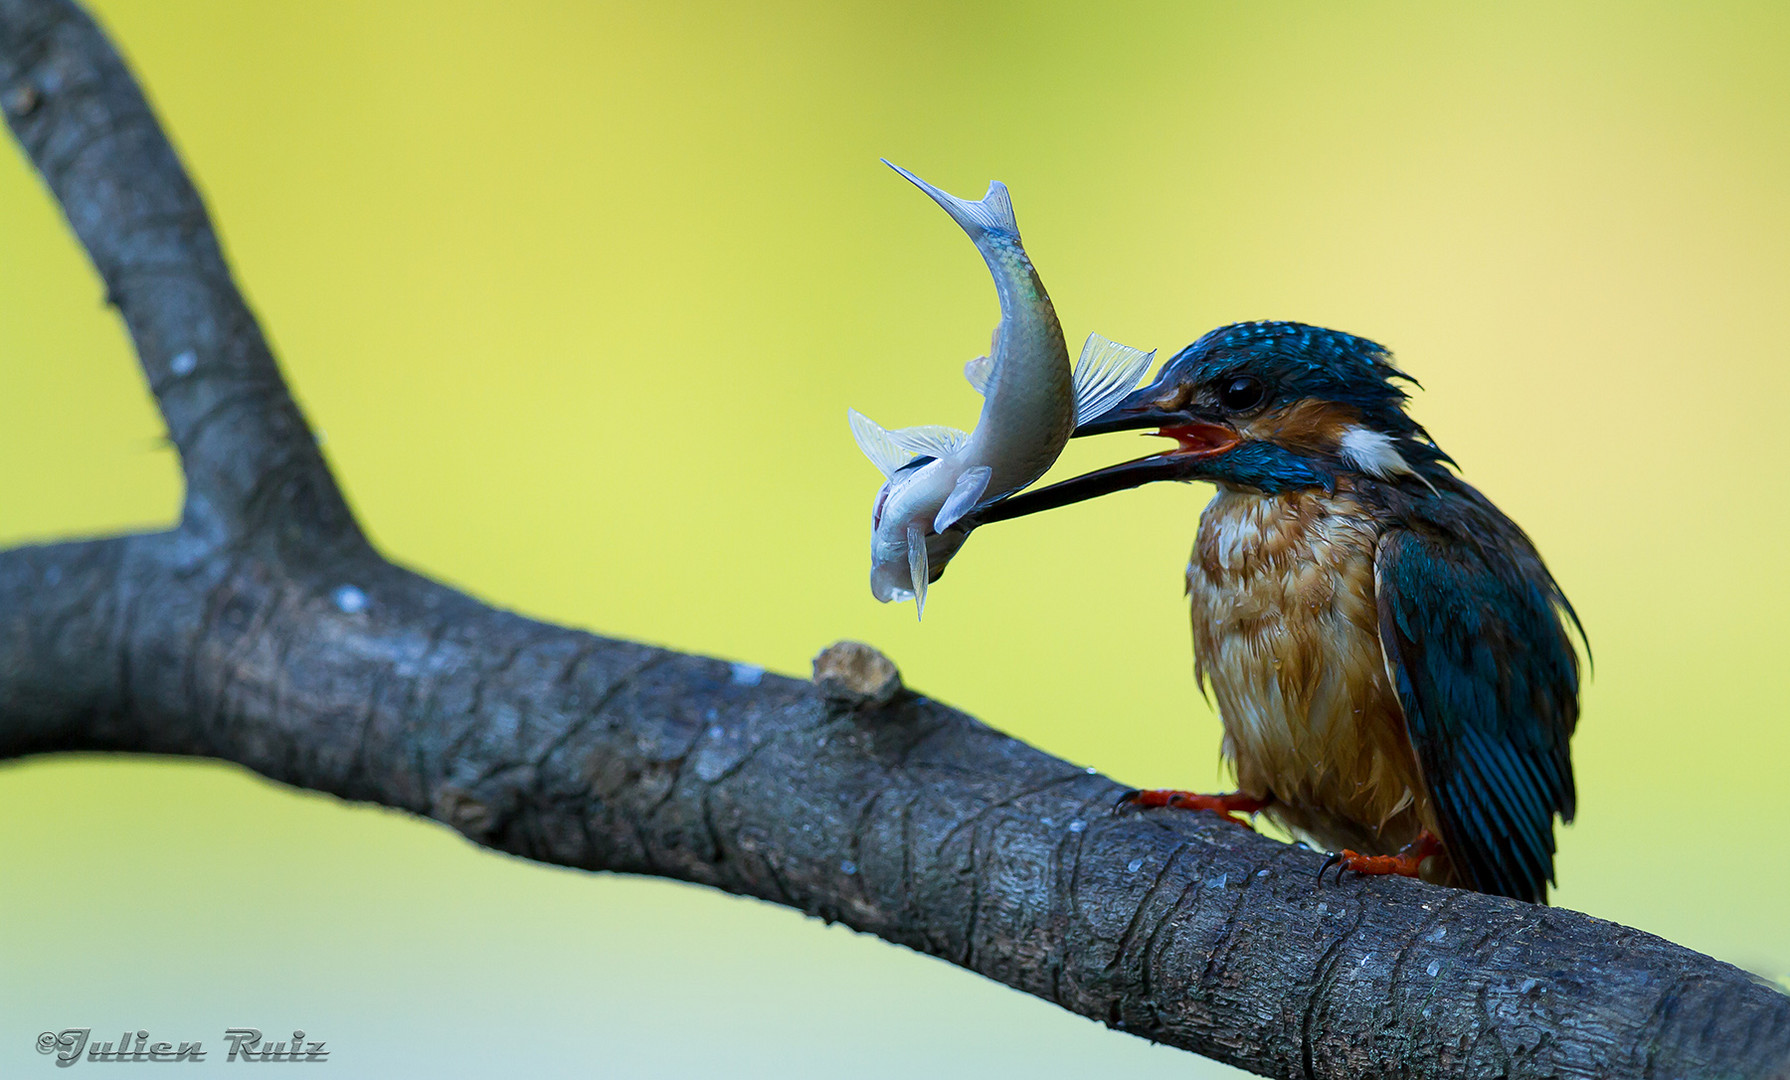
1393,663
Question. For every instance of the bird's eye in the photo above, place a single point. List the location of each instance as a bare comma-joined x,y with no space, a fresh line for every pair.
1240,394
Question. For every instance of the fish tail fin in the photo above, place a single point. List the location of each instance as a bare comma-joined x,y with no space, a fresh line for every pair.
993,213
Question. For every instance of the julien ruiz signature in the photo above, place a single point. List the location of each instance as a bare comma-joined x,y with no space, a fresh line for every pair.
73,1045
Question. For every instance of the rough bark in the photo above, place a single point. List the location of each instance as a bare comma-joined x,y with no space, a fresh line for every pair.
265,630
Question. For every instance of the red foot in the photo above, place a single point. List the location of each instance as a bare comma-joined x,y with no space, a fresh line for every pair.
1225,806
1405,863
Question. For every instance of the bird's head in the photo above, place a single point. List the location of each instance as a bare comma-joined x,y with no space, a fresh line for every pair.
1261,406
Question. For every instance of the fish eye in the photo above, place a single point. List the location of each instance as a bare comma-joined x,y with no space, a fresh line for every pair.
1241,394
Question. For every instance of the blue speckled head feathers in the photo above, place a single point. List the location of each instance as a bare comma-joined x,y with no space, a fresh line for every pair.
1298,362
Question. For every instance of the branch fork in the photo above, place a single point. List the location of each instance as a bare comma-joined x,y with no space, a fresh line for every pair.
265,630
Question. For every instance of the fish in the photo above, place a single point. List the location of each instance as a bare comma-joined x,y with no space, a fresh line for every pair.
935,476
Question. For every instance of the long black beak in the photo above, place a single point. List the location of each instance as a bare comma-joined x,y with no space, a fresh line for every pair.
1201,436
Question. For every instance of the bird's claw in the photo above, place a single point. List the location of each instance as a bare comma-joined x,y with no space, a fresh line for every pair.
1225,806
1406,863
1337,860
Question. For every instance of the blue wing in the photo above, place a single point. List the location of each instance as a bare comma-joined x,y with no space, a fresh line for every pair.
1477,647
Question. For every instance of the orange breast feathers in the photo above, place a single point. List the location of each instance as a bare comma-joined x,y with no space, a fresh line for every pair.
1285,632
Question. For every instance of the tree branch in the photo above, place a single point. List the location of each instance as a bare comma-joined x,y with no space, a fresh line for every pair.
265,630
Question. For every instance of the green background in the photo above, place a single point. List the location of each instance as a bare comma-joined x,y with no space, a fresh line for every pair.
579,295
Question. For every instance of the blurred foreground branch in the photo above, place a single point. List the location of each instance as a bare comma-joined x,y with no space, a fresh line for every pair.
265,630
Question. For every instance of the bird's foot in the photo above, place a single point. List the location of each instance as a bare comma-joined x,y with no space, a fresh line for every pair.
1405,863
1225,806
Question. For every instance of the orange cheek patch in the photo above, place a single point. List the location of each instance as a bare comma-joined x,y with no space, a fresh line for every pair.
1304,425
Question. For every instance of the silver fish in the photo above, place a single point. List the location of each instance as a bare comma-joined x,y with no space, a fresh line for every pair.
1031,401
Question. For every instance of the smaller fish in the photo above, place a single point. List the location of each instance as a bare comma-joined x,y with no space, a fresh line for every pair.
1031,401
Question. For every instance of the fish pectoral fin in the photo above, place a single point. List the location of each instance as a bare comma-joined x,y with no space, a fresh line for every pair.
980,373
971,486
928,440
1105,373
879,445
916,565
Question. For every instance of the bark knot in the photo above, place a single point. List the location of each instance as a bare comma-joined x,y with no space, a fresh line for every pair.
467,814
854,674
